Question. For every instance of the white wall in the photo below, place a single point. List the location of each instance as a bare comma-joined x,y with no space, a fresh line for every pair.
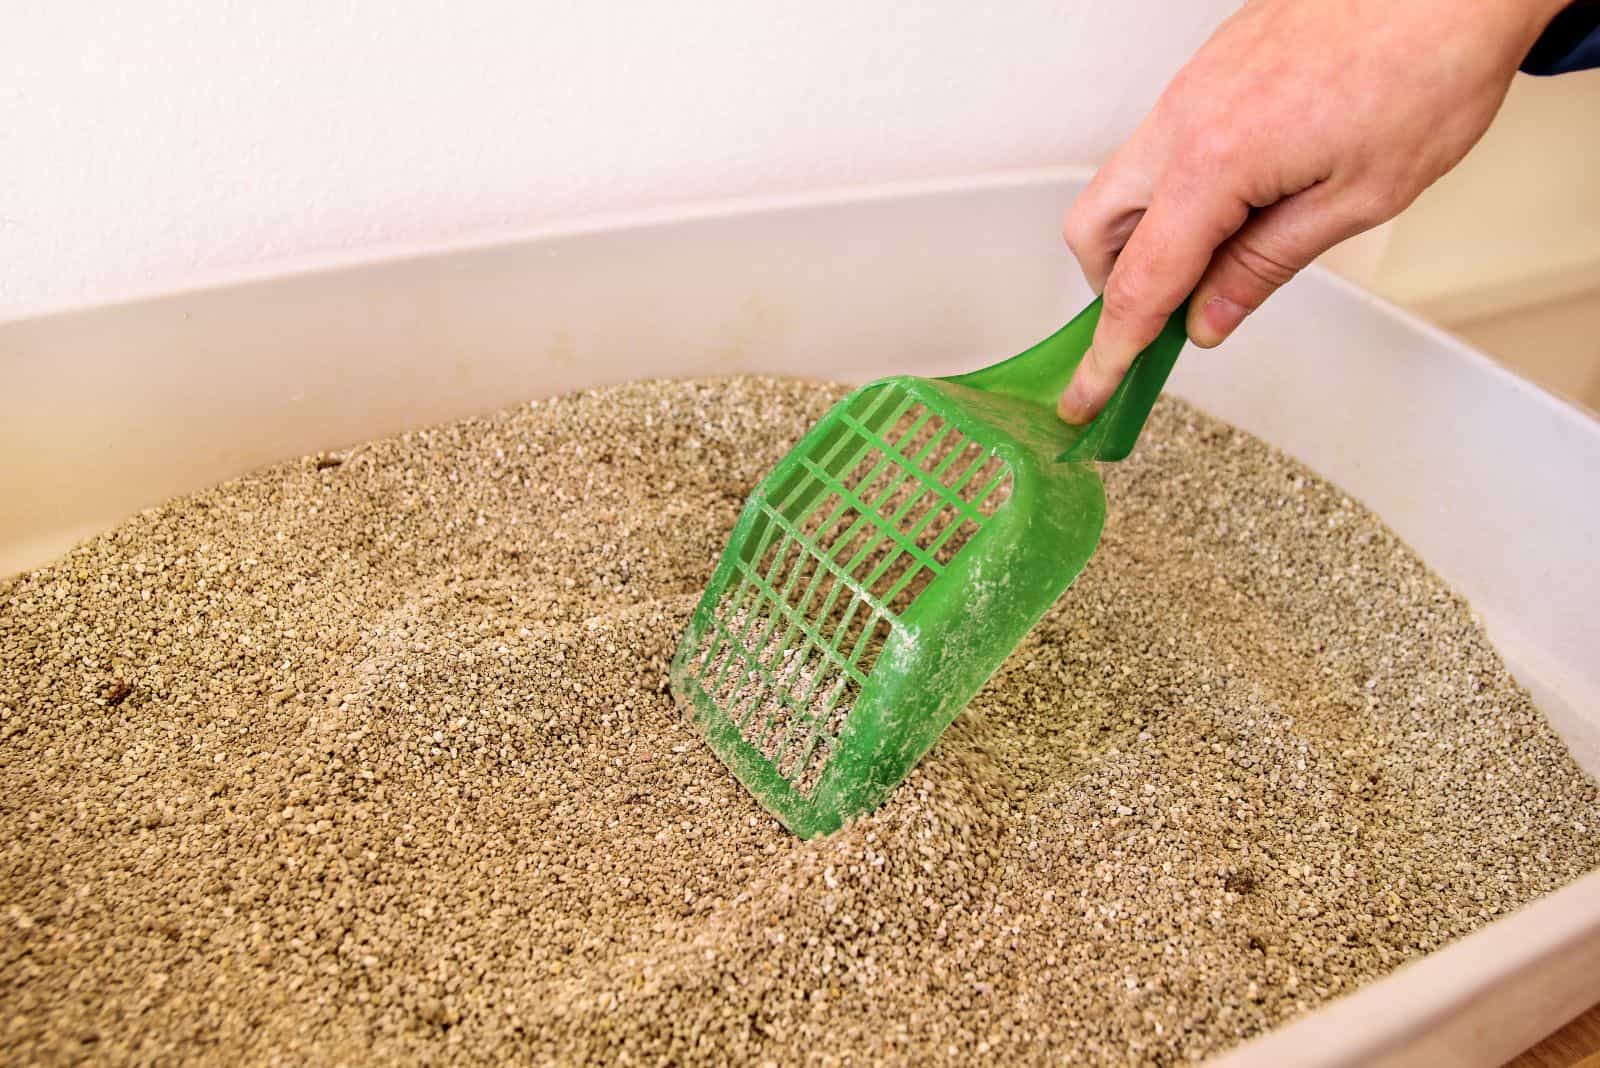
1518,220
161,144
158,143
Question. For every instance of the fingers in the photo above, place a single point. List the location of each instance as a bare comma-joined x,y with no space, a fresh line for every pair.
1160,265
1105,214
1274,246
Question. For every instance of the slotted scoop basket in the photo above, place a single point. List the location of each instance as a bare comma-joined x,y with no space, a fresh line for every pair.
890,562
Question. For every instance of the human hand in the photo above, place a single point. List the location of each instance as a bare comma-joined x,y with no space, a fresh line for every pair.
1298,124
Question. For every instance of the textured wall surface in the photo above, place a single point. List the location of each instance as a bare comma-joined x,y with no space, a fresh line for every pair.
163,143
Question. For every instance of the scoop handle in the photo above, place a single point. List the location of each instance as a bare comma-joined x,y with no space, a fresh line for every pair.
1112,434
1043,371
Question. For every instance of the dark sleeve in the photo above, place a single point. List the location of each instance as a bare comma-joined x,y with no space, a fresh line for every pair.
1571,41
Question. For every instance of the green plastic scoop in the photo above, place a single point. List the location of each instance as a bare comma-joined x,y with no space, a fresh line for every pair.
890,563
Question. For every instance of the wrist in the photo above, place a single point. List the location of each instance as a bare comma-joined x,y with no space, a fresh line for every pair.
1503,29
1528,19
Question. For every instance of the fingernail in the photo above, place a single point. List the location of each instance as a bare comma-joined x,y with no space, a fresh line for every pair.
1219,318
1076,406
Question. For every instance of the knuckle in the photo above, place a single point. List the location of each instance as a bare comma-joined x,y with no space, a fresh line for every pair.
1088,224
1212,145
1126,293
1103,369
1269,269
1075,227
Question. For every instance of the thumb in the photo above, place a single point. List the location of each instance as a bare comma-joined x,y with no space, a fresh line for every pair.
1266,252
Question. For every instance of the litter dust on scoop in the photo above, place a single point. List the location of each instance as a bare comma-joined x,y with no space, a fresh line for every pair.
376,759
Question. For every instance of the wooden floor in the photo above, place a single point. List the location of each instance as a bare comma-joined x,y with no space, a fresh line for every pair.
1576,1045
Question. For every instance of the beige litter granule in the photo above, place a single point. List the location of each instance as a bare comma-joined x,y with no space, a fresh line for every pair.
372,757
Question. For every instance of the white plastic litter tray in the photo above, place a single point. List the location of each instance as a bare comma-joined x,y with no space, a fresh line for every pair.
1496,484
